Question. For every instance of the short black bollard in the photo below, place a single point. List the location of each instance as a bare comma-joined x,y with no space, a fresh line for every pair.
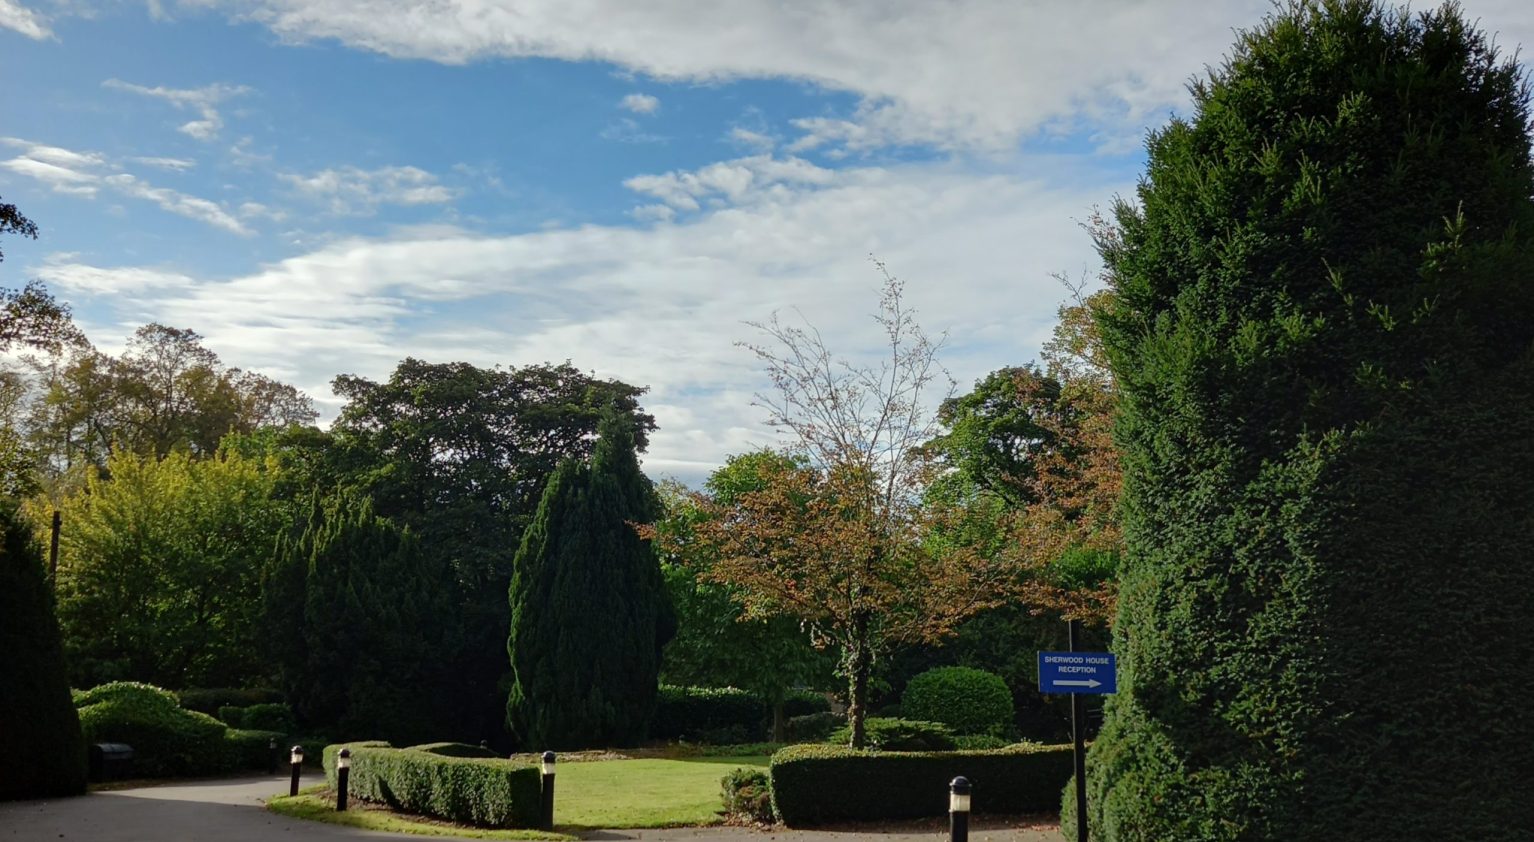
295,757
958,810
343,771
548,790
271,756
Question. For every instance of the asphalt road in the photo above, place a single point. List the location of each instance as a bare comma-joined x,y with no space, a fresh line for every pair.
230,810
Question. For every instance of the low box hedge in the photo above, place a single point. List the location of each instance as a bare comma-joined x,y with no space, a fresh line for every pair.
476,791
818,784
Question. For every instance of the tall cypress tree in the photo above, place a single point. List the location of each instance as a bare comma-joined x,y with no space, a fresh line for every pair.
40,737
589,612
1324,338
363,610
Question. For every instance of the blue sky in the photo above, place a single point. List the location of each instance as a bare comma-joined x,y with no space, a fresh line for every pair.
327,186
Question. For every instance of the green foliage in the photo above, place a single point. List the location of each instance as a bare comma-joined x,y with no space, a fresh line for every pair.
246,749
167,740
361,614
805,703
820,784
968,700
403,442
475,791
690,712
589,613
715,644
1323,343
159,569
748,793
38,724
210,699
263,717
166,393
454,750
813,727
887,734
979,742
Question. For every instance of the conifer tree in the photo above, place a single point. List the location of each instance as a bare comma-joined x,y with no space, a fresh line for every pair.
1323,336
39,729
589,611
359,610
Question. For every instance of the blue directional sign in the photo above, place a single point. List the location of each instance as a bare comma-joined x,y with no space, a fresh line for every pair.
1078,672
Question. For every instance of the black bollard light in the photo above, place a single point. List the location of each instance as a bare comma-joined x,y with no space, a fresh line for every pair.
958,810
548,790
343,771
271,756
295,757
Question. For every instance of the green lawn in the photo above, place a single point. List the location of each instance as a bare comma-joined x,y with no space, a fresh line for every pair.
643,793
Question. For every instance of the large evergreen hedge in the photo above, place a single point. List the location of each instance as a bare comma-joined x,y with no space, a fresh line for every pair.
39,729
589,612
1324,337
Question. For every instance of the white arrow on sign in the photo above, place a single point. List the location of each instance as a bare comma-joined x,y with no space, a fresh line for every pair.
1091,682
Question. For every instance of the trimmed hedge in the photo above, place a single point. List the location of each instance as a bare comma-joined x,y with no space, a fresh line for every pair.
454,750
899,735
694,712
475,791
814,727
167,740
724,715
819,784
209,699
968,700
805,703
270,716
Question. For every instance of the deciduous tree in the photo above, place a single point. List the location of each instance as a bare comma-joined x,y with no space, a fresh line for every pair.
834,539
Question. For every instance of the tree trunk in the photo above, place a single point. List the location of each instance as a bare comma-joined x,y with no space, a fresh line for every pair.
859,667
779,721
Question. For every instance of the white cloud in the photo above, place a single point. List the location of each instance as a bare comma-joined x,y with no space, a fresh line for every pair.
203,100
178,203
17,17
173,164
661,305
85,173
729,181
979,73
640,103
351,190
62,272
752,139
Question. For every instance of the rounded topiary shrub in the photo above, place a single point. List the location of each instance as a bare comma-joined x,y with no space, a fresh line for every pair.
969,701
167,739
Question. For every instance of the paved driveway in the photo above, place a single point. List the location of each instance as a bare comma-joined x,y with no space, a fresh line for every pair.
230,810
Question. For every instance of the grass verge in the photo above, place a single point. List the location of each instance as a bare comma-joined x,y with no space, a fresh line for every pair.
317,804
676,792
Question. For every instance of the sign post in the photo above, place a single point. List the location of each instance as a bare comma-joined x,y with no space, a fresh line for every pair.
1078,674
